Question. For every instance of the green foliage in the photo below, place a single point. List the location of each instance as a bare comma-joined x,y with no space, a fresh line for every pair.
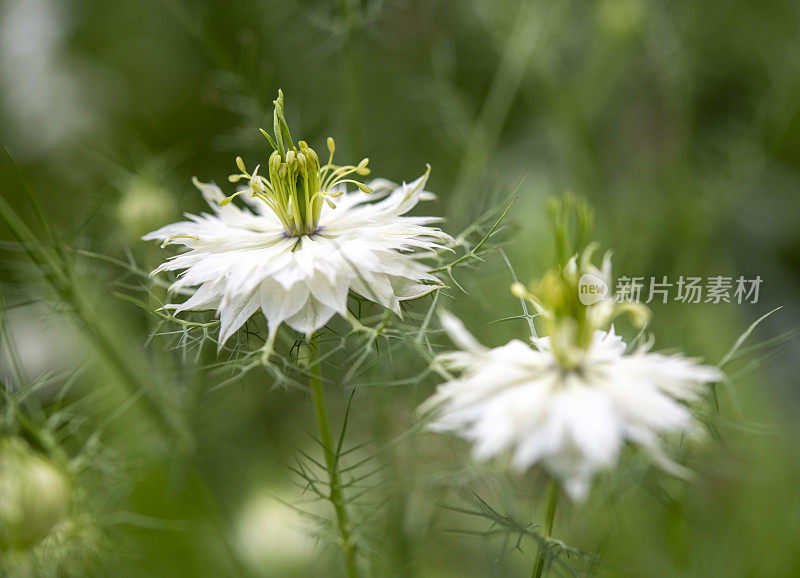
677,122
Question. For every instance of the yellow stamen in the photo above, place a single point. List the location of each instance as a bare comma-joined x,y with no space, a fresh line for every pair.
297,185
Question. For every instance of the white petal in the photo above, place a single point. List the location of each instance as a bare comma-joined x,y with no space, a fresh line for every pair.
235,313
407,290
313,316
458,333
208,296
278,304
593,426
577,488
406,197
376,287
332,295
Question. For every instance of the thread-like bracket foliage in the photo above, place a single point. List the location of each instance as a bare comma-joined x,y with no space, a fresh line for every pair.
477,252
515,532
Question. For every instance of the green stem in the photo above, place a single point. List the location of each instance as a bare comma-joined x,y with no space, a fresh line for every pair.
486,130
332,463
550,515
351,64
56,271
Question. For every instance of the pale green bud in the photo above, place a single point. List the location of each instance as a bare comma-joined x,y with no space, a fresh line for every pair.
35,495
144,206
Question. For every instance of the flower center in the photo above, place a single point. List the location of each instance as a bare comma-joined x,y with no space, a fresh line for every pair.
570,322
297,185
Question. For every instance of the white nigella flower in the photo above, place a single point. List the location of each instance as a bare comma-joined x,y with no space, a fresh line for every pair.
568,401
293,253
517,400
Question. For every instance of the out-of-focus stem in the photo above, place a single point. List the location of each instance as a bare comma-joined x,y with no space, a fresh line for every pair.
486,129
332,464
351,64
56,272
553,492
55,268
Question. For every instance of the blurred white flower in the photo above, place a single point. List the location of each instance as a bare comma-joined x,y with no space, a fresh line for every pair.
520,401
271,535
43,87
295,255
39,342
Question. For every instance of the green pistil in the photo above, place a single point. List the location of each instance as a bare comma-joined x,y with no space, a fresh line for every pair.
297,185
570,323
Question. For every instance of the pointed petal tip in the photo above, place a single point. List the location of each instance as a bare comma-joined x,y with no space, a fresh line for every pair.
458,332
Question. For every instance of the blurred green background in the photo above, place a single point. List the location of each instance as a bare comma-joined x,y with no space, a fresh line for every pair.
678,121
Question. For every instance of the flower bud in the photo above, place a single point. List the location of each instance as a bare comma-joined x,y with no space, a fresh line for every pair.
34,495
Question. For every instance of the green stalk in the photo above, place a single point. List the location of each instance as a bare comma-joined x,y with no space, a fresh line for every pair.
55,268
351,64
486,130
396,493
332,464
553,492
56,272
